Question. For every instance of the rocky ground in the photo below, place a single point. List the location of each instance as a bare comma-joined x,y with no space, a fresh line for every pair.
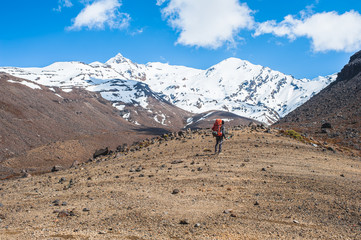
333,115
263,186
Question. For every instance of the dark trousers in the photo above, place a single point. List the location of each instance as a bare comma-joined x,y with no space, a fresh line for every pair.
219,142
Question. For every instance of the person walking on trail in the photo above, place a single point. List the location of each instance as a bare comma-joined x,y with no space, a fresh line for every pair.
219,132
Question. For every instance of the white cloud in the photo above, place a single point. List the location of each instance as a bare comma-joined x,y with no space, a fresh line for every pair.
137,32
207,23
66,3
62,4
328,31
160,2
99,14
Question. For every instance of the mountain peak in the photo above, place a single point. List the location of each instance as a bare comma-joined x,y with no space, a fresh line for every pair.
235,62
352,69
119,55
355,56
119,58
244,88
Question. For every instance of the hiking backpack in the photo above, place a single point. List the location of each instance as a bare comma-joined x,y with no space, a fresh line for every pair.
216,129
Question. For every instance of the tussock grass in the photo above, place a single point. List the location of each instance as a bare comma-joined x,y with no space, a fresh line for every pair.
295,135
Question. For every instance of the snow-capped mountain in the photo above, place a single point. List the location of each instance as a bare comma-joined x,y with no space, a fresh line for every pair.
233,85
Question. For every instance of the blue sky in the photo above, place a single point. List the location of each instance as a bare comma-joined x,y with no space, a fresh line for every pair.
304,38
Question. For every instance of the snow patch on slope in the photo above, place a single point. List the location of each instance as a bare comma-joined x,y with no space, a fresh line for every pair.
28,84
233,85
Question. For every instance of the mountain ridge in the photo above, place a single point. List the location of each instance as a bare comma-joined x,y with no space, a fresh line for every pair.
333,114
233,85
42,127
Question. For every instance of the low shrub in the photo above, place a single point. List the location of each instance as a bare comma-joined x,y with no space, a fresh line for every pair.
294,134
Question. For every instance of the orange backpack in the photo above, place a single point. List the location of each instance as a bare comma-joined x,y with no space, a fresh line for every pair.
216,129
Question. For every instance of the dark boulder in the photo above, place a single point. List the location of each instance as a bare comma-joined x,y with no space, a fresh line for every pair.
122,148
181,133
326,125
57,168
101,152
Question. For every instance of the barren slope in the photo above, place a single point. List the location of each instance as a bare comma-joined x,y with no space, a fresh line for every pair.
41,127
264,186
338,106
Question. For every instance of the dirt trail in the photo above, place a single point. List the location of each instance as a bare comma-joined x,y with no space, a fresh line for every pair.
263,186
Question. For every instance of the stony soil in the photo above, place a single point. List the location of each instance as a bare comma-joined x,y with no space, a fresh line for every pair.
338,105
263,186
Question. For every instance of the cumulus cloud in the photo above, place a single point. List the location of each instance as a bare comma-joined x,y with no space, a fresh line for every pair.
207,23
327,31
62,4
99,14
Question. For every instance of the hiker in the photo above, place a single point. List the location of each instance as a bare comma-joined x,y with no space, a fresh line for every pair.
219,133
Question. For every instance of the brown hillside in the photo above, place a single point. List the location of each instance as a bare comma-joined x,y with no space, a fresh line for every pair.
44,127
337,106
264,186
40,128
